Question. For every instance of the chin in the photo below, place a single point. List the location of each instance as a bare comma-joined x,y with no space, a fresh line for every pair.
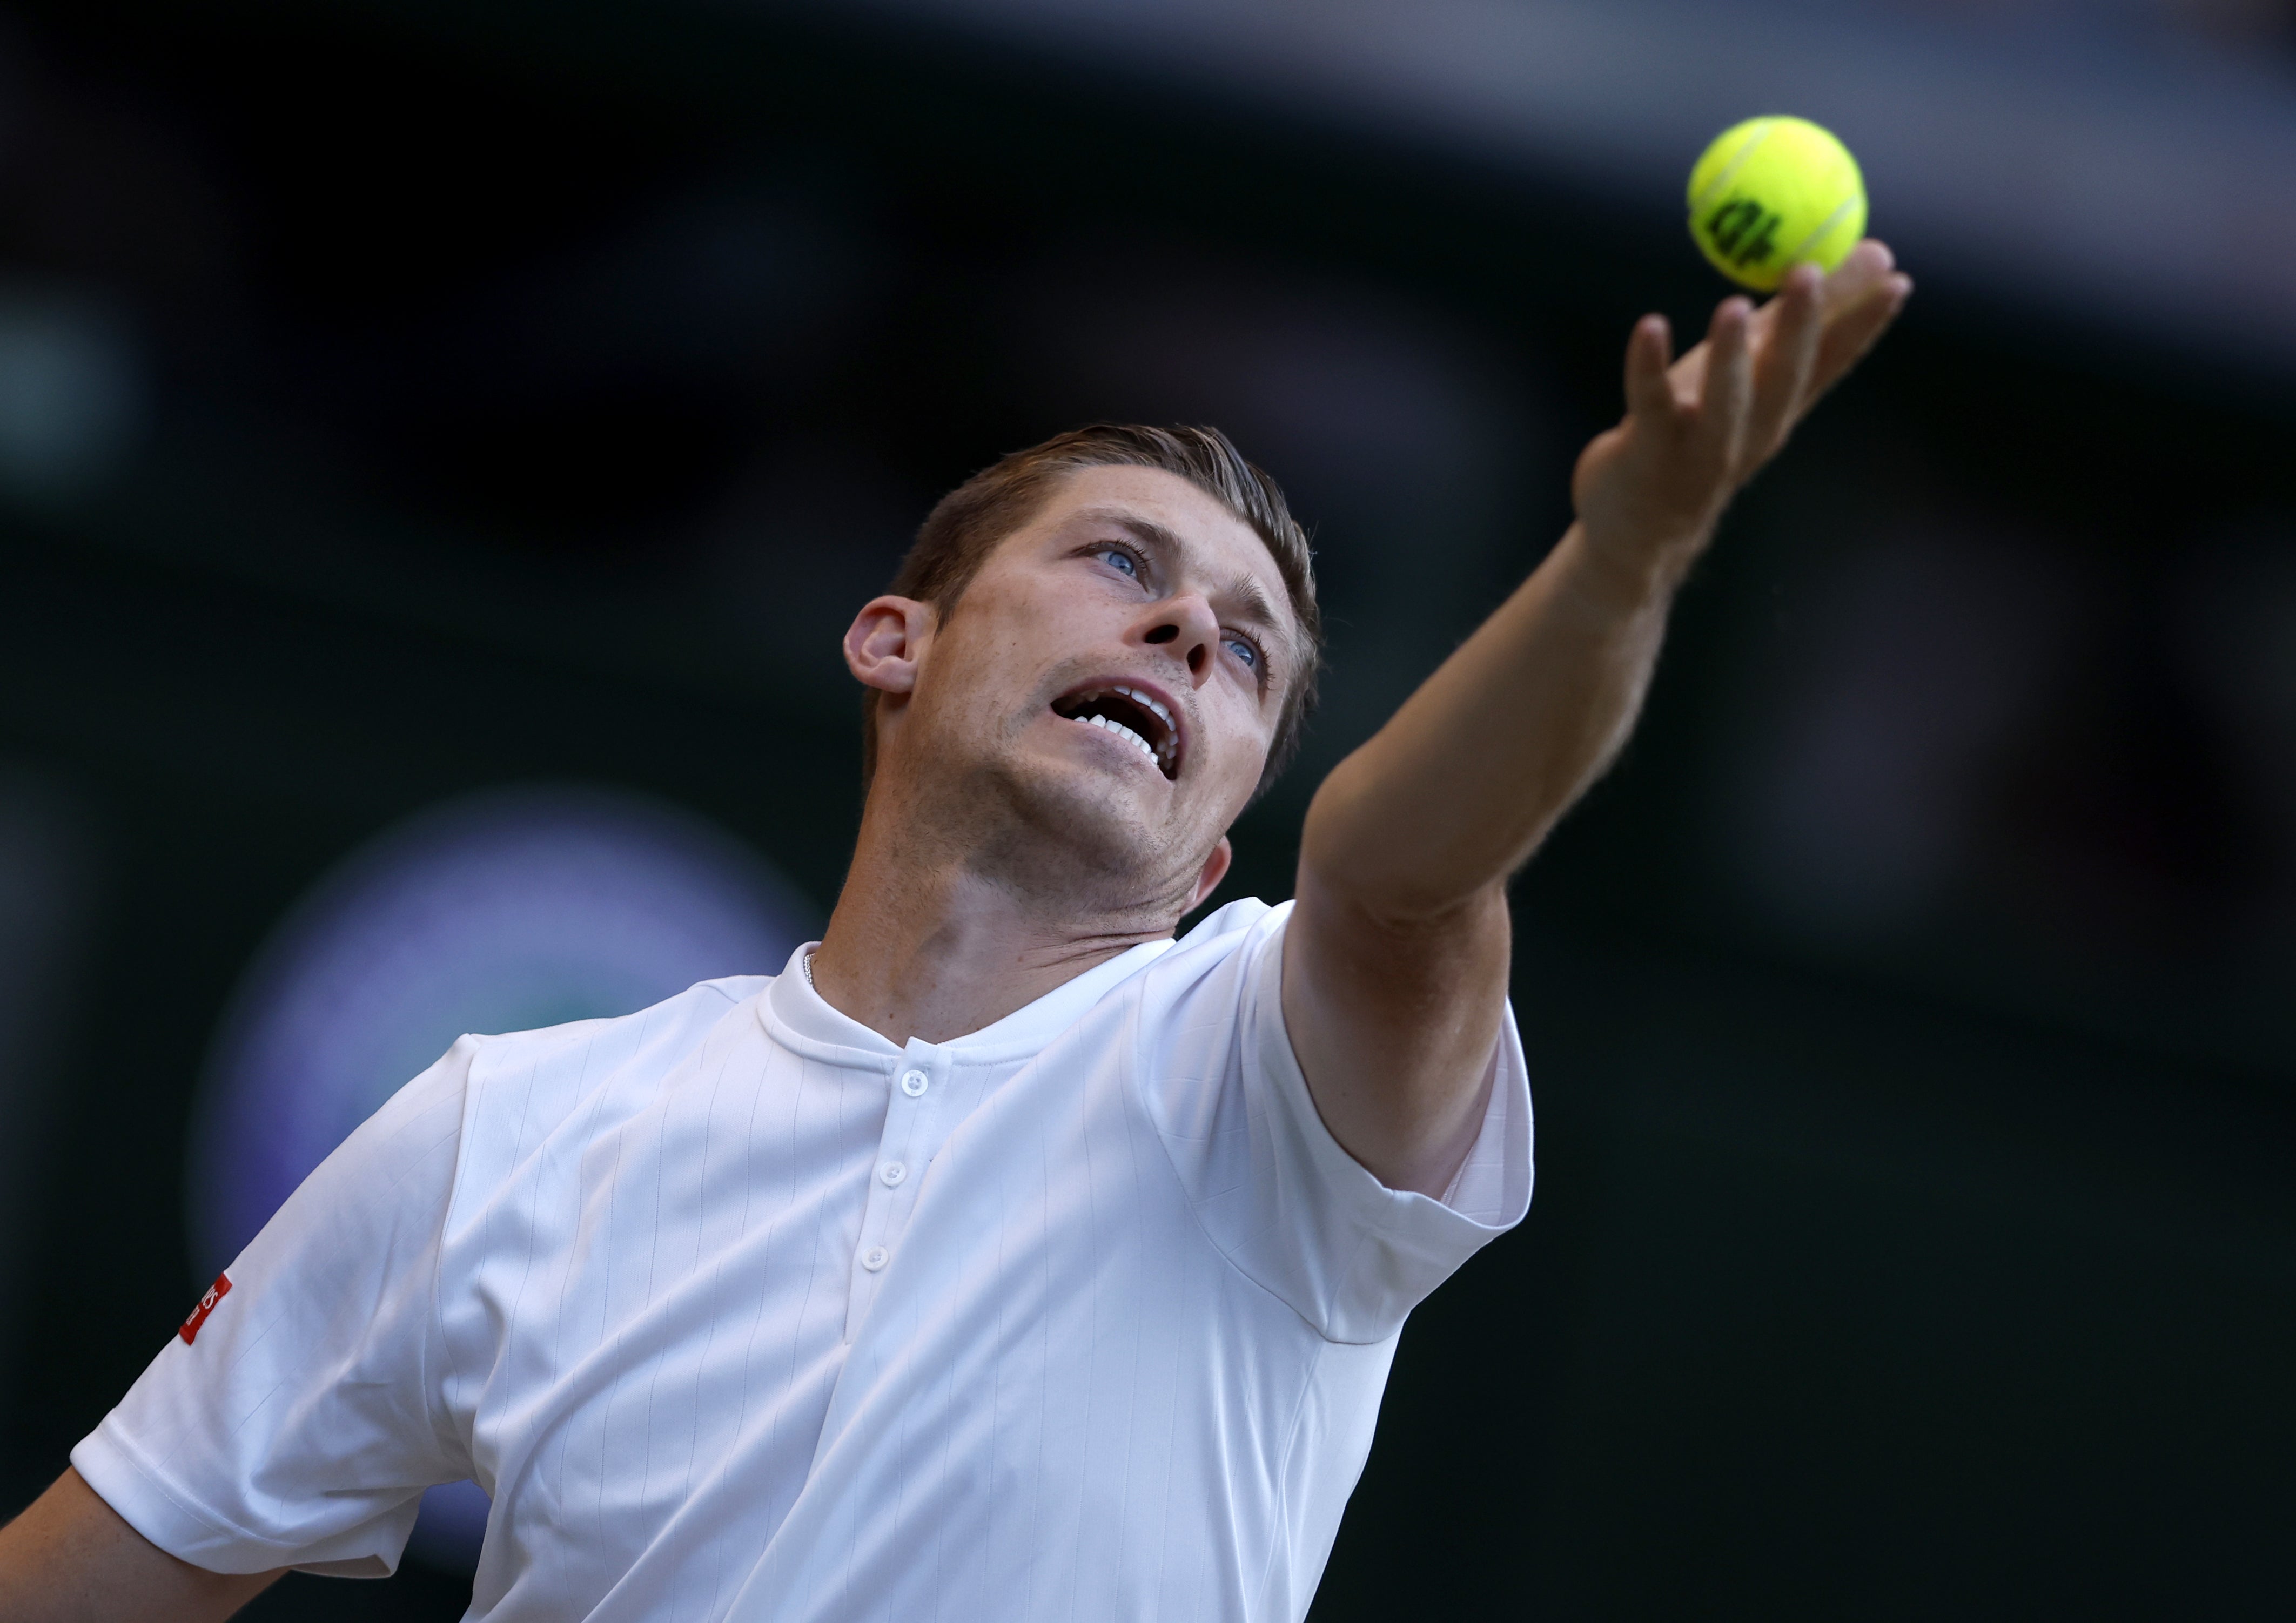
1086,812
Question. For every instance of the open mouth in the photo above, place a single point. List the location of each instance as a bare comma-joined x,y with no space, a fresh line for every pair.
1130,715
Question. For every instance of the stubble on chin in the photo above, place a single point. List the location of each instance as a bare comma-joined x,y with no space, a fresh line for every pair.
1055,832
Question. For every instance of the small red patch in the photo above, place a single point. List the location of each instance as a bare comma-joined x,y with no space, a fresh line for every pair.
216,1293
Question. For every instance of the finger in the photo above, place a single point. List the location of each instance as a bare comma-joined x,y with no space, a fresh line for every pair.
1862,272
1765,316
1648,352
1785,356
1723,403
1687,377
1850,335
1838,288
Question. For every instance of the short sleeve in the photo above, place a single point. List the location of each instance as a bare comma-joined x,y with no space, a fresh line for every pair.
1272,1188
297,1426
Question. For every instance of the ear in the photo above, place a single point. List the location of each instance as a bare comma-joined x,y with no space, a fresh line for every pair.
886,641
1215,869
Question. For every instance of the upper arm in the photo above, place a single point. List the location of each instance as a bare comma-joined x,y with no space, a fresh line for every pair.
300,1424
70,1558
1291,1207
1394,1023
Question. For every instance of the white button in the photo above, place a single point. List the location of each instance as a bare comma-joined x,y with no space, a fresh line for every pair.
876,1256
912,1083
892,1172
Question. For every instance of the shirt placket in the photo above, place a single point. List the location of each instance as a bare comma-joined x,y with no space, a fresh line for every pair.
913,1115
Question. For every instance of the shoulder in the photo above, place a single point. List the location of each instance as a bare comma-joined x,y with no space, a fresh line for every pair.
1216,959
1193,1008
529,1070
1243,928
697,1008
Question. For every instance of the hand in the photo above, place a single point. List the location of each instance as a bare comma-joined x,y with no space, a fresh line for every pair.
1649,491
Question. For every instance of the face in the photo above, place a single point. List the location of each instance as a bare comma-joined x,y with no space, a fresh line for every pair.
1106,691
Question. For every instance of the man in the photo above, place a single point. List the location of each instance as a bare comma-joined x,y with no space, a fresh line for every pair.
1001,1257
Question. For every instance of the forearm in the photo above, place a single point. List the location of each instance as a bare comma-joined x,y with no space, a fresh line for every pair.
1395,975
1395,972
1453,794
70,1558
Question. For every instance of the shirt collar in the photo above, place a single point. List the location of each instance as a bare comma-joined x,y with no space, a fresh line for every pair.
796,1005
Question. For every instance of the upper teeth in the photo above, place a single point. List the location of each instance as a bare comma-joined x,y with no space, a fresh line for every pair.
1137,697
1124,733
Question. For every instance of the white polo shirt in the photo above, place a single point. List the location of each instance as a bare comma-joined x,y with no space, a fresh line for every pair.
741,1312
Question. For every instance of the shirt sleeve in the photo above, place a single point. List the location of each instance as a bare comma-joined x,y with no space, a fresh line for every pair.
1273,1189
296,1424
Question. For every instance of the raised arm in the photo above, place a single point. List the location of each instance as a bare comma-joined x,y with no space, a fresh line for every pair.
1395,957
71,1559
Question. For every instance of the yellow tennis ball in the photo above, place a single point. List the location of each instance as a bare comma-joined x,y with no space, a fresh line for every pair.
1771,193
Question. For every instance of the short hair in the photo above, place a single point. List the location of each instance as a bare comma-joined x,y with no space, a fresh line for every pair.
971,521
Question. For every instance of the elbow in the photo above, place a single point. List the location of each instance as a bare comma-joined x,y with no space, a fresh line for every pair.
1397,910
1400,880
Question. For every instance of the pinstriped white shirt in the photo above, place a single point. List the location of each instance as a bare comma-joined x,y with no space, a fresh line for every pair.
741,1312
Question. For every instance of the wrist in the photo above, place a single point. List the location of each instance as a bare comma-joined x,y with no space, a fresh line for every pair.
1628,574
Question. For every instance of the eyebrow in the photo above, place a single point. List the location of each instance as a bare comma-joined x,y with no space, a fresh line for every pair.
1253,604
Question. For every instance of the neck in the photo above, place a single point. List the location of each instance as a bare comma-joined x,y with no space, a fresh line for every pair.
934,940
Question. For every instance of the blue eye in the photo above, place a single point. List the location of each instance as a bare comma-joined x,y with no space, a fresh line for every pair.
1245,652
1123,560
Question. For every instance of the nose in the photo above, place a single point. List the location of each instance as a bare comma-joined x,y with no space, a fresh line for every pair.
1187,630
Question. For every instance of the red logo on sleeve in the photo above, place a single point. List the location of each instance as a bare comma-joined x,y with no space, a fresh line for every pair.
216,1293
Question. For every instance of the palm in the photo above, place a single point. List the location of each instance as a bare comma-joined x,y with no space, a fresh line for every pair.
1696,430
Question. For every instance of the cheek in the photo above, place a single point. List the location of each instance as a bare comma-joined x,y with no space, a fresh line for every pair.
1013,640
980,662
1242,745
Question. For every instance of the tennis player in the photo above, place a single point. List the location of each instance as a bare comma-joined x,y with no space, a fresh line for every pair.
1003,1257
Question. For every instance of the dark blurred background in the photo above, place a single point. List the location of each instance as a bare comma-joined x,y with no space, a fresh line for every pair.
426,425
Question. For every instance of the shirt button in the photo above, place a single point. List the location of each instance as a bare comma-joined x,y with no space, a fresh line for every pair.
876,1258
912,1083
892,1172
